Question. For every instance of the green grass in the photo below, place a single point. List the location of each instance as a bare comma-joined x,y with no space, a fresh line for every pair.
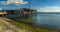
30,28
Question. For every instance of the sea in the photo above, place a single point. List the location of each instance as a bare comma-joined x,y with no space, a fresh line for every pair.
45,19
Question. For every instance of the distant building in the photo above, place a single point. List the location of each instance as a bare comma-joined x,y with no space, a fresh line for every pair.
27,10
21,11
11,11
2,13
24,12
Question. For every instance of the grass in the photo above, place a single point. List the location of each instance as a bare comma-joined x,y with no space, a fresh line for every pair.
30,28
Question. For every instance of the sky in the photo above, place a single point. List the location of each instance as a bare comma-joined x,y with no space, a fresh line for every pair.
39,5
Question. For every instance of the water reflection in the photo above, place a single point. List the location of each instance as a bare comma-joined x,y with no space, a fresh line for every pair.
45,20
48,20
31,19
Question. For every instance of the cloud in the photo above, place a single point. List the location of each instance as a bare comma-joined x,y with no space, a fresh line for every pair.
16,2
52,7
49,9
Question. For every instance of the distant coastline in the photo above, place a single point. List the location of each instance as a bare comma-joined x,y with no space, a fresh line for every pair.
48,12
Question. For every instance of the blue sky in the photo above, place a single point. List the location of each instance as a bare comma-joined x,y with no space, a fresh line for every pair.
40,5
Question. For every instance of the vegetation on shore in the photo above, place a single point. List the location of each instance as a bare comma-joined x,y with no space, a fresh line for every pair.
30,28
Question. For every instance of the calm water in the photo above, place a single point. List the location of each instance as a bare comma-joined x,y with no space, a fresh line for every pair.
48,20
45,20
